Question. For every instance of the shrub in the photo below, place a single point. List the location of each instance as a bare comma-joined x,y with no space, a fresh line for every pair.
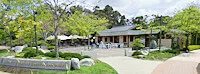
137,43
29,49
193,47
52,54
68,58
51,47
172,51
72,55
86,56
29,54
21,55
42,42
136,53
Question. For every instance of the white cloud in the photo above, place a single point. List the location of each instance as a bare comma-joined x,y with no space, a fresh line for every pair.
132,8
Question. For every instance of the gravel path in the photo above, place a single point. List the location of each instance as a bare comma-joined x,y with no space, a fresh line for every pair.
128,65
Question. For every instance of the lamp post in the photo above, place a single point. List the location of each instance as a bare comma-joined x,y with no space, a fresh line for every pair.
160,32
34,13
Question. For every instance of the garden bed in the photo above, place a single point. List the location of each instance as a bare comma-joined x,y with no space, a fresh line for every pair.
98,68
161,55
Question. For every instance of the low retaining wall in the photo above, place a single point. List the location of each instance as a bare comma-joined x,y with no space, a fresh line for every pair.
36,64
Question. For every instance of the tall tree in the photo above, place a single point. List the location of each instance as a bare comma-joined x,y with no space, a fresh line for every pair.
114,17
85,25
187,20
58,16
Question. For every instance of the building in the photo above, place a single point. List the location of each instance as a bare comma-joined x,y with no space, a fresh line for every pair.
126,35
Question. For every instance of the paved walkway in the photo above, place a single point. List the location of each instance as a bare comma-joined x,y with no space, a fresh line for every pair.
128,65
185,63
4,72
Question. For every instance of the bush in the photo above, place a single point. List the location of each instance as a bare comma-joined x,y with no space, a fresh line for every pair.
172,51
42,42
52,54
137,44
72,55
29,54
86,56
29,49
51,47
193,47
136,53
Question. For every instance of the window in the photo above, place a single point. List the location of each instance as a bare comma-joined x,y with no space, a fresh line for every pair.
124,39
105,39
131,38
116,39
111,39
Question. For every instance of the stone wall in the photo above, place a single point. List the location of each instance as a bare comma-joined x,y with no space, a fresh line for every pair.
36,64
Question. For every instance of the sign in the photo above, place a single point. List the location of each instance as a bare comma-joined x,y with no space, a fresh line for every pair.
36,64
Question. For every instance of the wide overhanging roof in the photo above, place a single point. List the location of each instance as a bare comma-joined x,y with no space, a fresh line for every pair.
126,30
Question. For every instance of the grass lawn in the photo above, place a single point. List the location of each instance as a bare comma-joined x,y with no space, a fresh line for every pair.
6,53
98,68
163,55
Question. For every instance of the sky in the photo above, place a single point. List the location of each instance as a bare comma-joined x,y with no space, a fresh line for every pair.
133,8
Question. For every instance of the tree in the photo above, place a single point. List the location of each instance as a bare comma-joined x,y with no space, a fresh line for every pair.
140,21
137,43
85,25
57,12
187,20
114,17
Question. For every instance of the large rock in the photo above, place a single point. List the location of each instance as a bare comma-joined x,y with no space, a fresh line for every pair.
75,63
87,62
19,49
153,44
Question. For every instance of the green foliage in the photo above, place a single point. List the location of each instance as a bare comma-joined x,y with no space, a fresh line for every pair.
86,56
42,42
98,68
164,55
84,25
51,47
72,55
193,47
114,17
136,53
137,43
50,54
171,51
187,20
6,53
29,54
29,49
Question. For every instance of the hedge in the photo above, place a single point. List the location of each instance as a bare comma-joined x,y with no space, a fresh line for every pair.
193,47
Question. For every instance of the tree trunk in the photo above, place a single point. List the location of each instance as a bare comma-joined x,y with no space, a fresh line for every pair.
56,47
5,38
36,38
160,40
150,42
196,40
88,42
10,39
187,44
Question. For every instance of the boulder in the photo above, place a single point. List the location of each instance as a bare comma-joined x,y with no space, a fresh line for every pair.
19,49
87,62
75,63
153,44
